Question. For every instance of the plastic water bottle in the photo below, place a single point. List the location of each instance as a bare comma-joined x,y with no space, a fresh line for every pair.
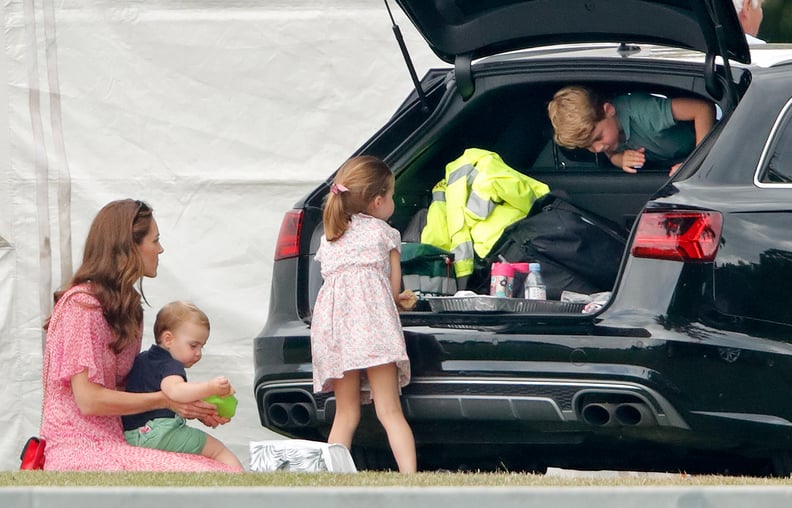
535,288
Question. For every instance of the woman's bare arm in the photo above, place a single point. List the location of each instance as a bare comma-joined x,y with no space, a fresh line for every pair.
95,400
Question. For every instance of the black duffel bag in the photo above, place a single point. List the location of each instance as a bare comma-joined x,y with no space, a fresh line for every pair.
578,250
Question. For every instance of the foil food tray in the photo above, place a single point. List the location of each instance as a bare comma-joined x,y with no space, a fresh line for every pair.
483,303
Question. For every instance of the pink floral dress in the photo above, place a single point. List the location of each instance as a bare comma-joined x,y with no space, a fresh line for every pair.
78,339
355,321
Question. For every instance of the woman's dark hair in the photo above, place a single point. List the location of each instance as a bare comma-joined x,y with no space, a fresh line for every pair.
112,264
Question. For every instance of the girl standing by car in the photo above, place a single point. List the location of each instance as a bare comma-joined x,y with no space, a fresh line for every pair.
357,343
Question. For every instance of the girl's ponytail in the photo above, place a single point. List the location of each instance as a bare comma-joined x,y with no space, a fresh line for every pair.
335,217
357,183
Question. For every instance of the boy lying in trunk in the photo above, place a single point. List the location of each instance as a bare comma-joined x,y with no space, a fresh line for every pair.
631,129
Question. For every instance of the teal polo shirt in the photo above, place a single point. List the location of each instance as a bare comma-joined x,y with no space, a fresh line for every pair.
647,121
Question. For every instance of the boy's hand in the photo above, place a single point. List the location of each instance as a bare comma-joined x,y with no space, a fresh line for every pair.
633,160
221,386
407,300
674,168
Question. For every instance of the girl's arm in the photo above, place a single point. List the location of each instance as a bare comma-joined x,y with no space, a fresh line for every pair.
395,273
405,300
700,112
179,390
95,400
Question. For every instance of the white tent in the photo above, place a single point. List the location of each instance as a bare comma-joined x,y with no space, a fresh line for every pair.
220,114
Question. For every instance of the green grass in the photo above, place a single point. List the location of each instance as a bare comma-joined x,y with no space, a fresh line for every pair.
363,479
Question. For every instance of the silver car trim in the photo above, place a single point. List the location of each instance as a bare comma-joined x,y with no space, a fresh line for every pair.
766,149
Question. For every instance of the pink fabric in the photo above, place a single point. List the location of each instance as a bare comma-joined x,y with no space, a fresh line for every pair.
355,321
77,339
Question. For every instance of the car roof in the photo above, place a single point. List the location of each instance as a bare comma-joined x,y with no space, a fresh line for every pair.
479,28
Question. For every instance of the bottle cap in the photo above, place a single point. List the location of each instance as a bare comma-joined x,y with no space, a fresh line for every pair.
535,267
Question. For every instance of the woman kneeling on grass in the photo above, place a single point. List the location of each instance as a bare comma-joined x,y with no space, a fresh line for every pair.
93,336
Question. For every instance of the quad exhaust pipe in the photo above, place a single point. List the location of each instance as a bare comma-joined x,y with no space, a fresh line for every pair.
624,414
297,409
291,414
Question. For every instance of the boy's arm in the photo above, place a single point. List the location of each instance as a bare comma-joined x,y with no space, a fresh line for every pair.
179,390
700,112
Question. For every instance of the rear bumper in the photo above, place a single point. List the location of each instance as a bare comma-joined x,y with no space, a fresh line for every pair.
487,388
576,403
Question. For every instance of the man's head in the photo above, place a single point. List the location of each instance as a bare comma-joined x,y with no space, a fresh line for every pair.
750,14
581,119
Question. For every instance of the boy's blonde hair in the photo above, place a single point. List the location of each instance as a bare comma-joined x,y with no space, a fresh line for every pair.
357,183
574,112
175,313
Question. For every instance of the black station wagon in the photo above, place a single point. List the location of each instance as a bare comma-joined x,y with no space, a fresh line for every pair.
688,365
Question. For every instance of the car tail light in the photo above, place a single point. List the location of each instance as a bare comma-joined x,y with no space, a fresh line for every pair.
678,235
288,245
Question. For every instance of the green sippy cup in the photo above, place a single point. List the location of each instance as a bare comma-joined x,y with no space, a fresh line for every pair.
226,406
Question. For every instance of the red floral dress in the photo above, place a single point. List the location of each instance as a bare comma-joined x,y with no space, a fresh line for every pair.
78,339
355,322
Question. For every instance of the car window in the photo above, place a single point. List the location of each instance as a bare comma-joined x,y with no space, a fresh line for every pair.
778,168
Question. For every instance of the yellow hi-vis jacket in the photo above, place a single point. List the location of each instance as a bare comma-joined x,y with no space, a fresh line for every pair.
478,198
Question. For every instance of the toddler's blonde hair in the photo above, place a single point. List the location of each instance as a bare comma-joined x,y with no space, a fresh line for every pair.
172,314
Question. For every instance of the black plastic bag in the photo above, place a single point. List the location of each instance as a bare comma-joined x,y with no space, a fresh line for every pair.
578,250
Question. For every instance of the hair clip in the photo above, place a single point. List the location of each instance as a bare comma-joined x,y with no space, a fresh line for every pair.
338,188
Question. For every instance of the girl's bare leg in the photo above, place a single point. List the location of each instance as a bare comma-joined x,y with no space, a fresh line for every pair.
347,413
384,381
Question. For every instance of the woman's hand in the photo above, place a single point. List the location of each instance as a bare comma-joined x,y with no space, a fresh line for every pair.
198,410
214,421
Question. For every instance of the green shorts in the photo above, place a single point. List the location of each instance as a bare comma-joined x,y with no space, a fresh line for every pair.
171,434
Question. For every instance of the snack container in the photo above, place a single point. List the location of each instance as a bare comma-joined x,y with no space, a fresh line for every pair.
483,303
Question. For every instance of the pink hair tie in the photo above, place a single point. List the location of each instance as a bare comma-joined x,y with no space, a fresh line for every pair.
338,188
